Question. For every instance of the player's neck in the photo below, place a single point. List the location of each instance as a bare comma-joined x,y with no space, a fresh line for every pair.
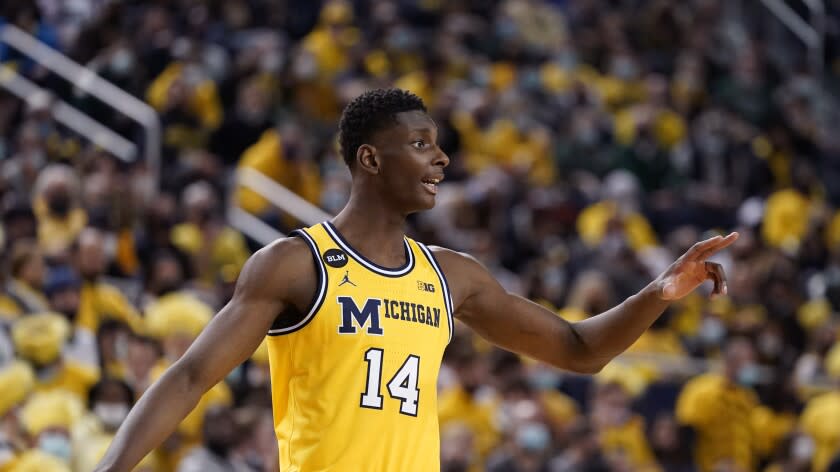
373,229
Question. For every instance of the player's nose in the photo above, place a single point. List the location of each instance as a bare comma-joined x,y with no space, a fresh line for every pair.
441,159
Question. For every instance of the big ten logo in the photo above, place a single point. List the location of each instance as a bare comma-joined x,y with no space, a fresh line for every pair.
335,258
425,287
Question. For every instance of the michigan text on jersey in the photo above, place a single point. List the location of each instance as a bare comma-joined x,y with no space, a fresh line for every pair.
370,312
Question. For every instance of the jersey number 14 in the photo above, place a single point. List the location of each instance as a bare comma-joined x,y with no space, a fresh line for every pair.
402,386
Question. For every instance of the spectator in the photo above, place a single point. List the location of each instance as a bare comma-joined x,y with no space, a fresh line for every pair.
17,381
218,251
220,438
28,271
720,408
99,300
56,201
39,339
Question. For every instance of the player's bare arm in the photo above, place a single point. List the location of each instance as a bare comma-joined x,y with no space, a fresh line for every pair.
263,291
522,326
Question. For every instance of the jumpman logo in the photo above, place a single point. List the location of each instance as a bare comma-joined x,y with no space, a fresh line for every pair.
346,279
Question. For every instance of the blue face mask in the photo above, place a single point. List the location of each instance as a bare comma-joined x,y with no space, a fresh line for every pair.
748,375
712,331
533,437
57,445
545,379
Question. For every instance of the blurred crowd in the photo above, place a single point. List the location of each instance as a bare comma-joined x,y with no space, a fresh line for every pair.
592,142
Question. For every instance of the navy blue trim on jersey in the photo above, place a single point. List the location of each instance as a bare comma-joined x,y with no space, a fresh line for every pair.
368,264
318,299
447,297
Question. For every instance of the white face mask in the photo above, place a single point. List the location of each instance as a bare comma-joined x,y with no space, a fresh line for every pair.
111,414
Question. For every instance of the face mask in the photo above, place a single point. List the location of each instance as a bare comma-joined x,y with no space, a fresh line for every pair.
59,205
748,375
533,437
712,331
57,445
545,379
111,414
168,286
121,62
802,448
770,345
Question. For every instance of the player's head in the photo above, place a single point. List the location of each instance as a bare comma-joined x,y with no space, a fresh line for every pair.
390,144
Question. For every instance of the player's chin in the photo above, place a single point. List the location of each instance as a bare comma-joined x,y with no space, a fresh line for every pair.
426,202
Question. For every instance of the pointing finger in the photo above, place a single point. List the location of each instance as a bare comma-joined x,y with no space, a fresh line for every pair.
701,247
709,247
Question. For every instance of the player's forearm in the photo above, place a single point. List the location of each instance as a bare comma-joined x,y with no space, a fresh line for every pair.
609,334
153,419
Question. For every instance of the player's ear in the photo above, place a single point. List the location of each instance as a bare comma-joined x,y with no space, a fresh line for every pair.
368,159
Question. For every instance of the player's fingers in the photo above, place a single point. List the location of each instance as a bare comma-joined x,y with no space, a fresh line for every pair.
714,271
701,247
718,245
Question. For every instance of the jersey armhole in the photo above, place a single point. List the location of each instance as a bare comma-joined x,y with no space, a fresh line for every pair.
292,319
447,298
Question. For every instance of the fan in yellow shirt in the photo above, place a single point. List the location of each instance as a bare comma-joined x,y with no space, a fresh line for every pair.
40,339
99,300
619,430
16,381
720,409
815,418
176,320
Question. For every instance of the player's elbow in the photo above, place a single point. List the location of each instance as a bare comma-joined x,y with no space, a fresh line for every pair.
194,373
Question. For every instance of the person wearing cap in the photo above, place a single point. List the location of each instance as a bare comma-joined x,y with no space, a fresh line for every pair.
48,418
16,381
40,340
175,320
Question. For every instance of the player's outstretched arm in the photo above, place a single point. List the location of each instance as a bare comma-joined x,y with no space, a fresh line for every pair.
522,326
262,291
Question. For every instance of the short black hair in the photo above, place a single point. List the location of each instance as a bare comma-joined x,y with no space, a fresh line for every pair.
370,112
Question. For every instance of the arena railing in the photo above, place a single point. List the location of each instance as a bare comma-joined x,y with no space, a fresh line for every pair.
94,131
811,33
279,196
91,83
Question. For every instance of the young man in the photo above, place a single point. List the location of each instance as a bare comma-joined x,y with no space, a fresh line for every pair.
355,339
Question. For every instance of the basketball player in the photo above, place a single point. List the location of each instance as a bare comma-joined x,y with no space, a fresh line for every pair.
358,315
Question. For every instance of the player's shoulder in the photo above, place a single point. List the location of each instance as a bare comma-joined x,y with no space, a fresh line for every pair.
455,262
278,262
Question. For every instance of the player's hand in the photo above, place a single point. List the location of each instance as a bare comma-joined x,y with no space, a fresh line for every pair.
692,269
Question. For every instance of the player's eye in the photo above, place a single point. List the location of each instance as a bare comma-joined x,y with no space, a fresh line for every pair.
419,144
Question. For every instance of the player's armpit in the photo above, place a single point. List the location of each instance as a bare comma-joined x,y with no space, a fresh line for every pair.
273,278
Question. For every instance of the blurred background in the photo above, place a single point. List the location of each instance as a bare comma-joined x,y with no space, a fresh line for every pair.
147,148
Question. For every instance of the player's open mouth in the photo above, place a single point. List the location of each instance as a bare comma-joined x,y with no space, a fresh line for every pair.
431,185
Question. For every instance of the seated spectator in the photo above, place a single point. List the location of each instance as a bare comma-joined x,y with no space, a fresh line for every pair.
56,202
24,289
40,340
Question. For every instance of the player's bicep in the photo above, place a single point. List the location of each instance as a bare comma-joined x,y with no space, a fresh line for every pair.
515,323
262,292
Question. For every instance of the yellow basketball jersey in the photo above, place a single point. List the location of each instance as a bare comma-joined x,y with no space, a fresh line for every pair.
354,379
